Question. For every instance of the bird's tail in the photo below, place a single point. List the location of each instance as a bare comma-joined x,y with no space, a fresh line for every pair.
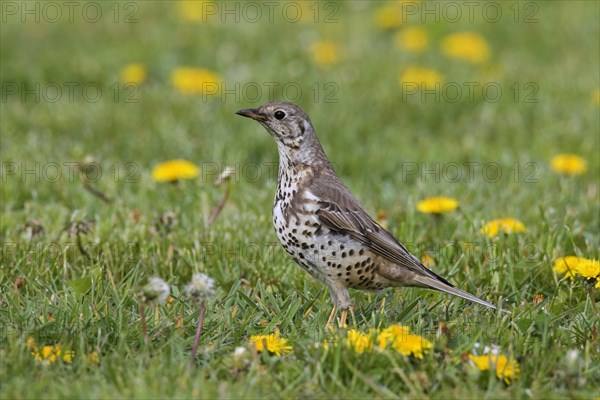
443,287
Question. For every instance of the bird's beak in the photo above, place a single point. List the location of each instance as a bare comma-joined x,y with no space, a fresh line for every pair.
252,113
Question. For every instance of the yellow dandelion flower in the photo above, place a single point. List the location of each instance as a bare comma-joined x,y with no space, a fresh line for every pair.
133,73
504,367
68,356
390,334
413,39
398,338
174,170
537,298
567,266
196,80
30,342
389,16
333,341
467,46
425,78
272,343
49,354
325,53
589,269
481,362
503,225
196,10
507,369
359,342
427,260
93,358
413,345
568,164
597,286
382,218
437,205
596,96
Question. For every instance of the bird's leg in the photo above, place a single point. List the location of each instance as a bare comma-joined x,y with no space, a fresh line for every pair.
343,318
341,299
331,317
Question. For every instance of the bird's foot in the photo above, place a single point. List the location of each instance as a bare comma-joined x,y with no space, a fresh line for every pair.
343,318
328,325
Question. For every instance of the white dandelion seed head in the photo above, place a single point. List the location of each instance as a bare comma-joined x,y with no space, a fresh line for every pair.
572,354
227,174
494,349
239,351
201,287
156,291
241,358
572,357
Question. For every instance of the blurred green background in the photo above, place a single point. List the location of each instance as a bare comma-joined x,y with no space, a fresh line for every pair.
67,99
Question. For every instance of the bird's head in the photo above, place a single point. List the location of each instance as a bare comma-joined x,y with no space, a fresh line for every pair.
286,122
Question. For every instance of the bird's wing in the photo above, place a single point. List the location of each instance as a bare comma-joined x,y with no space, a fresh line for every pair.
359,225
340,212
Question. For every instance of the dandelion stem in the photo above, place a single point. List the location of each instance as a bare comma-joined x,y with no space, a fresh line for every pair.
218,209
81,248
87,186
198,333
143,319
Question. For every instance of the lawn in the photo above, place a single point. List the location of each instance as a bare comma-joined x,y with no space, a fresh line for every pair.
467,100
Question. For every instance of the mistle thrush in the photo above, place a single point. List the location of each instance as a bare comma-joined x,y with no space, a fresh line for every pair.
324,228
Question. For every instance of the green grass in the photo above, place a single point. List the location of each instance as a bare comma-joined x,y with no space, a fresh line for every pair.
371,135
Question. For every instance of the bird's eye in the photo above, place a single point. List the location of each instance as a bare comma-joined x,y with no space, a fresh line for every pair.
279,115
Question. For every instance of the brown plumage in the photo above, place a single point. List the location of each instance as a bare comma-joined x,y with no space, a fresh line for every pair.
323,226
